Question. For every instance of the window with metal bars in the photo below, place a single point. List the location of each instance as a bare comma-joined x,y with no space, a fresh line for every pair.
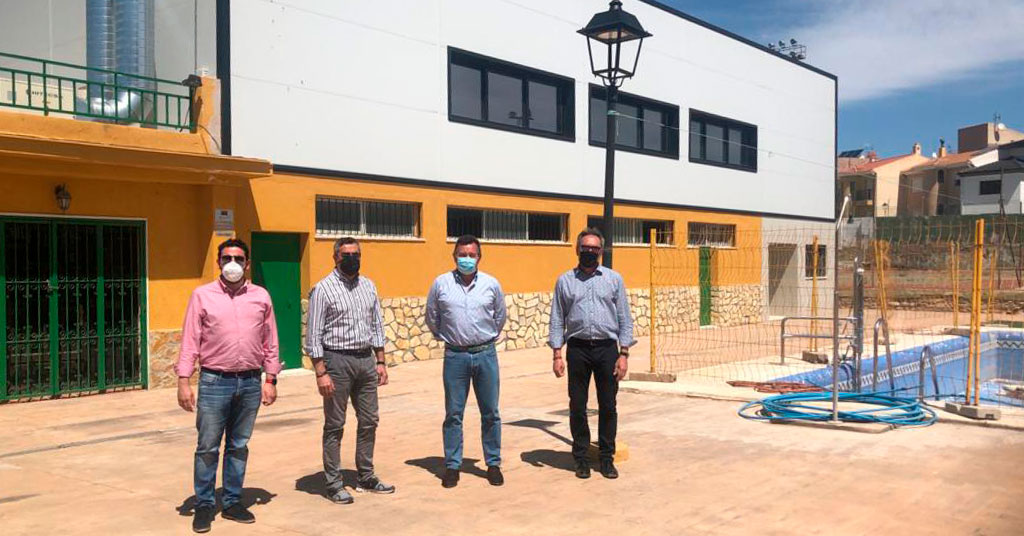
716,235
809,261
487,224
636,230
336,217
720,141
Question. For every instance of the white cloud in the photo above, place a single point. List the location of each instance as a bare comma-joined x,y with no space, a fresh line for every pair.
881,47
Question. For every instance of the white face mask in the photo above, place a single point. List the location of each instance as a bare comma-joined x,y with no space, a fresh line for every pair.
232,272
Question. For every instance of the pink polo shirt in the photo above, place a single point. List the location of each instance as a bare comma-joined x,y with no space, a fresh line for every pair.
229,332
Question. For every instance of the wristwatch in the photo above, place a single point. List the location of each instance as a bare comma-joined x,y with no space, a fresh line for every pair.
271,381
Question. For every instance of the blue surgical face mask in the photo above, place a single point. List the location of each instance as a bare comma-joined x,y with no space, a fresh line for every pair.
466,265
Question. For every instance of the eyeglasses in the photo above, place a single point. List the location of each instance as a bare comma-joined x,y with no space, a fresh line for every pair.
240,259
356,255
592,249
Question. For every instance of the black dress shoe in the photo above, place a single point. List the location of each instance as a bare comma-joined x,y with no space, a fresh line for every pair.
202,519
608,469
450,479
239,513
582,469
494,475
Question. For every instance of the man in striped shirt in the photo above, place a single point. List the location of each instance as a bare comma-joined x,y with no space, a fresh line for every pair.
345,339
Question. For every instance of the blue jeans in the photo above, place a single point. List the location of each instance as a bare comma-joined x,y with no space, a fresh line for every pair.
227,406
480,369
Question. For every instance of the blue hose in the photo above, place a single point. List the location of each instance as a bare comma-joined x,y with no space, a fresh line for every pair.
893,410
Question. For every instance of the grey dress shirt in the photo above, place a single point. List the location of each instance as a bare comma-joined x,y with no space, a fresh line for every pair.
465,315
343,315
590,307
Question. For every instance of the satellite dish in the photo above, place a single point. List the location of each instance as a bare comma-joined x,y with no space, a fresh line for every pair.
1001,126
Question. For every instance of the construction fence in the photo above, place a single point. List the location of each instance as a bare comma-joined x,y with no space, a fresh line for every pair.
916,307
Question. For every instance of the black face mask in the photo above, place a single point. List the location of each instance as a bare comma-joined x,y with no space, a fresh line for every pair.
588,259
349,264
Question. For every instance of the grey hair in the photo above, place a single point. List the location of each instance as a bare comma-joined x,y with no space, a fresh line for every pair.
344,241
589,231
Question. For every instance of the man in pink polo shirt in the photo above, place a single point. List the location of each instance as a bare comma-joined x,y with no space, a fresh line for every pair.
230,330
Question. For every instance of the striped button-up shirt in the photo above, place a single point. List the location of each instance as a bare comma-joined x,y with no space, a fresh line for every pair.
344,314
465,315
591,307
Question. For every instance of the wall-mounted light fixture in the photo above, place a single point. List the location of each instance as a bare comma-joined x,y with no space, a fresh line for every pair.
63,197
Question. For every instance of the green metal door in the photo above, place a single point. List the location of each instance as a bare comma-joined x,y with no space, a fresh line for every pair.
705,286
73,307
276,265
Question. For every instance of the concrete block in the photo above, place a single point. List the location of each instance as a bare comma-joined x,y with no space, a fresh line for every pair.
621,452
820,358
974,412
663,377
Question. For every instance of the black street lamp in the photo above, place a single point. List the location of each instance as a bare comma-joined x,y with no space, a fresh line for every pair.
613,28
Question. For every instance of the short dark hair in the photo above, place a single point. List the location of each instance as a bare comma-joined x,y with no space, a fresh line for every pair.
233,243
589,231
466,240
344,241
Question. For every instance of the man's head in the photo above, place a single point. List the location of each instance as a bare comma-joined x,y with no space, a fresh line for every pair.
347,255
467,254
234,251
589,246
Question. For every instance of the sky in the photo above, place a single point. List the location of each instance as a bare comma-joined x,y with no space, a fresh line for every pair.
909,71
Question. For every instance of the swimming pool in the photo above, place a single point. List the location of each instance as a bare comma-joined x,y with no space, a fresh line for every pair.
1002,369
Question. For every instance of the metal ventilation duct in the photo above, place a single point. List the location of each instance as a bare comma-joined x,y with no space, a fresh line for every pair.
120,36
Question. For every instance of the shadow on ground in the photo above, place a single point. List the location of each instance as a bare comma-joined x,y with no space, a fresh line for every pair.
435,465
316,483
250,498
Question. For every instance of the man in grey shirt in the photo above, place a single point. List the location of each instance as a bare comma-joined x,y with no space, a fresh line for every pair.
345,339
590,313
466,310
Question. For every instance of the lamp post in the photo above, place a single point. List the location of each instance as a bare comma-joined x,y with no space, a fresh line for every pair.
613,29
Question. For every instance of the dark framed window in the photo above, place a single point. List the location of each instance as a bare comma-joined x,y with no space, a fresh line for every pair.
637,230
990,187
492,93
720,141
644,125
716,235
488,224
942,176
337,217
809,261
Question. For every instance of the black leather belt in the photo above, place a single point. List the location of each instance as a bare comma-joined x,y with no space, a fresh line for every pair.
591,343
254,373
361,352
475,349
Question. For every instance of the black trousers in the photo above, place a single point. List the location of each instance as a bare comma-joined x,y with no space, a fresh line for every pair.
597,358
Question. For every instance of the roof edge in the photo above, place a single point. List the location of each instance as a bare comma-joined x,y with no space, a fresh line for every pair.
737,37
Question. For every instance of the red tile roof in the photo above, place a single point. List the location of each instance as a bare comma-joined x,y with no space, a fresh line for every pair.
857,167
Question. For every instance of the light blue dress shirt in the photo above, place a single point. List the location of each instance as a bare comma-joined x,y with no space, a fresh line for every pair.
591,307
465,315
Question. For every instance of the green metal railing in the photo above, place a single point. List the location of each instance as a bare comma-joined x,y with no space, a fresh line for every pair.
57,87
72,307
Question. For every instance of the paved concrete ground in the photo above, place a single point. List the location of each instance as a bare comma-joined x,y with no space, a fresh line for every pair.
121,464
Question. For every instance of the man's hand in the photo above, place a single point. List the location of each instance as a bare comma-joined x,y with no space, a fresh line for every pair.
557,363
186,398
621,367
325,385
269,393
382,374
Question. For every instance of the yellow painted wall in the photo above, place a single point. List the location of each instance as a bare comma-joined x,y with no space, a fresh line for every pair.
286,203
178,231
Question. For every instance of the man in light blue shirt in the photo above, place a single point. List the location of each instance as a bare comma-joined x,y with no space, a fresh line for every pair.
590,314
466,310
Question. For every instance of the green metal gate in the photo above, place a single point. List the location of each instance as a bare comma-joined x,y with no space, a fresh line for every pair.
705,286
74,306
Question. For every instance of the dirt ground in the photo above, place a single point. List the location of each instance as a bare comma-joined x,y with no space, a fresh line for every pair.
121,464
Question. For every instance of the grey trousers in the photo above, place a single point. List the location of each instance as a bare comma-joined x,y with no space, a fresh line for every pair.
354,377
